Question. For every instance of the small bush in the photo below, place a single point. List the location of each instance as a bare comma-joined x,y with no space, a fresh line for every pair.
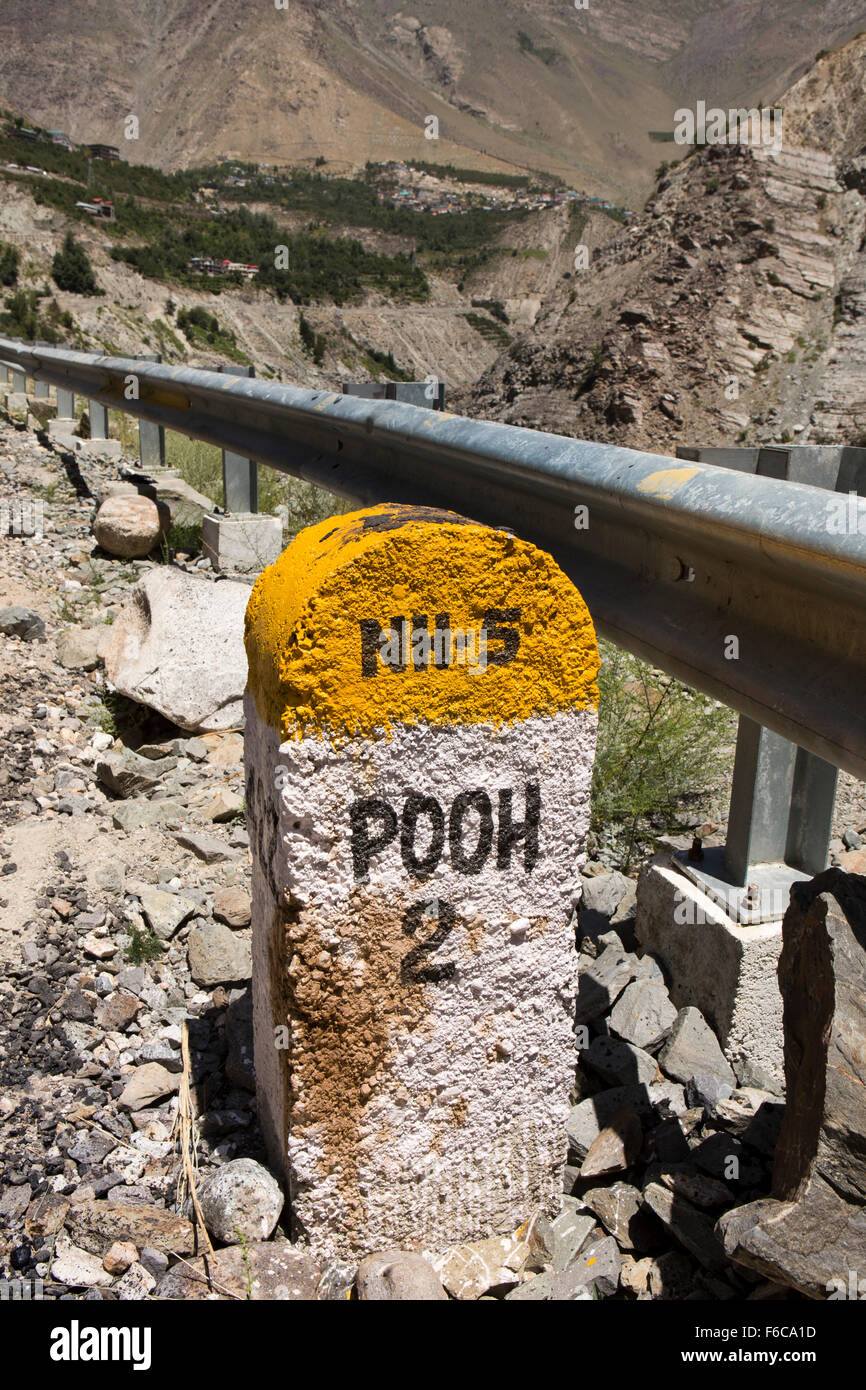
143,945
314,343
71,269
10,259
657,746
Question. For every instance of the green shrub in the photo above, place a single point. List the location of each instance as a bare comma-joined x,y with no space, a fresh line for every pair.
314,343
144,945
71,269
10,259
658,745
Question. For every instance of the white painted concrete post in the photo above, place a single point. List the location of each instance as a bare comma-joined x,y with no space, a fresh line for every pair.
419,743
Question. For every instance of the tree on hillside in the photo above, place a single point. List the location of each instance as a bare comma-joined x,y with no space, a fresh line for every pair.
9,261
72,270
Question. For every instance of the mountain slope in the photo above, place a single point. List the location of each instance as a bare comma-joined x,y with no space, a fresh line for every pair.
733,309
529,83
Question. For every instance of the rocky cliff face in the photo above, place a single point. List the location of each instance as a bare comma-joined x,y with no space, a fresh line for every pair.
733,308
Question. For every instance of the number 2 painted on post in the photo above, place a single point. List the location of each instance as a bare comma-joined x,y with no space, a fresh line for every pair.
411,971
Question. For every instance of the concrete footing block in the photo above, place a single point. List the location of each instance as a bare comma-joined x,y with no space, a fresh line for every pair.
242,544
726,970
16,403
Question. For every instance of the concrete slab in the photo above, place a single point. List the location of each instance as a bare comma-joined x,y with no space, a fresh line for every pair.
243,544
726,970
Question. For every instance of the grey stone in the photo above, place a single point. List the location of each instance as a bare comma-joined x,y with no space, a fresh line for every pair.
241,1201
620,1063
178,647
617,1146
162,1053
476,1268
714,1156
689,1226
598,1267
567,1234
620,1210
133,815
164,911
398,1275
643,1014
684,1181
604,892
125,774
217,955
337,1281
586,1119
148,1083
751,1073
693,1048
22,622
706,1090
810,1244
601,982
265,1271
136,1284
95,1226
92,1147
15,1201
207,847
242,544
77,649
822,975
155,1261
567,1286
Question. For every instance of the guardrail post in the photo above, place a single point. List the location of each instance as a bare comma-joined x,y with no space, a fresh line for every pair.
41,390
151,437
761,791
810,824
244,541
19,381
420,733
240,475
63,426
98,420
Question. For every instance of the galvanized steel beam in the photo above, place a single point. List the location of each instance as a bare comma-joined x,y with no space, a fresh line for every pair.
674,558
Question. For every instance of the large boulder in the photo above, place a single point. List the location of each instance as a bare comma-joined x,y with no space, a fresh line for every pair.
128,526
178,647
813,1230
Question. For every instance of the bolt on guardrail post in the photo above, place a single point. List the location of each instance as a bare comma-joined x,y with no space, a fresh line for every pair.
417,791
240,475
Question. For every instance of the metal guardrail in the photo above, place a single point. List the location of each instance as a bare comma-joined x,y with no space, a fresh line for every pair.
675,558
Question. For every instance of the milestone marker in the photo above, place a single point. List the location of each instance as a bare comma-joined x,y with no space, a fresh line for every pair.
421,722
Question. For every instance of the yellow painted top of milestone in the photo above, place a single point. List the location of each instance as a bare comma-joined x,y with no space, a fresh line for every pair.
319,621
